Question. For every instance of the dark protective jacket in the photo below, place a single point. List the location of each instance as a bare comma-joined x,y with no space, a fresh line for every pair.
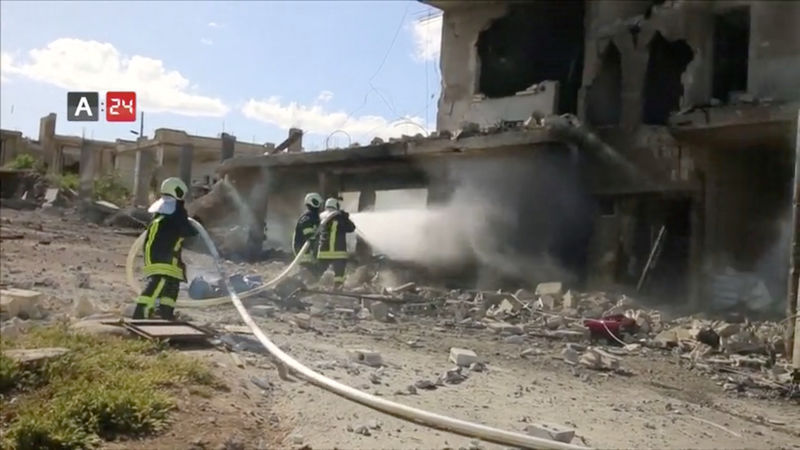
164,242
333,238
305,229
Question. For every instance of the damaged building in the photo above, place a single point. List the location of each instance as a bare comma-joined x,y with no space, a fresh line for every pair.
677,178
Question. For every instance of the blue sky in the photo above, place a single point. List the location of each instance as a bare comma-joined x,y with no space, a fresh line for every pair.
257,67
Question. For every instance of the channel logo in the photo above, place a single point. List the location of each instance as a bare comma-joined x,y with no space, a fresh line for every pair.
119,106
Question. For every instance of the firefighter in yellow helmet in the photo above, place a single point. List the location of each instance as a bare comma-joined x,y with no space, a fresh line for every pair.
332,248
163,265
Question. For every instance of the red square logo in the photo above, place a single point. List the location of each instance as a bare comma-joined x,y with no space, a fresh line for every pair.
120,106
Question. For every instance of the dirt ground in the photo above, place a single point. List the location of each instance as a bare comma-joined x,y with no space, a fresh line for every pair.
661,404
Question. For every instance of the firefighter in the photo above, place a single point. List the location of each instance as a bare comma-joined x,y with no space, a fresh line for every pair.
163,265
306,229
332,250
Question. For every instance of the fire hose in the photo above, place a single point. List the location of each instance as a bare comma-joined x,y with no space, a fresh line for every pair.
426,418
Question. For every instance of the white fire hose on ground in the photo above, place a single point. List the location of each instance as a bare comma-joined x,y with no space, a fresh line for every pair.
399,410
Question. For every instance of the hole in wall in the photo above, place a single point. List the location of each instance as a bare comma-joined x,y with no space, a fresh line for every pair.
731,48
534,42
663,88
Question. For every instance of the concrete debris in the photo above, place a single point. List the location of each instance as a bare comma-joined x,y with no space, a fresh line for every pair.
554,289
426,385
597,359
514,339
505,329
380,311
366,357
21,303
36,355
477,367
551,431
82,280
571,356
303,321
547,302
452,376
569,301
463,357
263,310
83,307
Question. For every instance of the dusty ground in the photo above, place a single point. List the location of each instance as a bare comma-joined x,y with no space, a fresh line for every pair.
661,405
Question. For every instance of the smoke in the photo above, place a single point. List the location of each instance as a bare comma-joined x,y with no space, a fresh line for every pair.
772,267
521,220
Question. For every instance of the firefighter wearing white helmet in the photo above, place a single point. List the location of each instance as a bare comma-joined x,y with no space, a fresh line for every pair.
332,248
306,229
163,264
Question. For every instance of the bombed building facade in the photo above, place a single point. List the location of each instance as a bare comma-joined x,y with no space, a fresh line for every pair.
691,110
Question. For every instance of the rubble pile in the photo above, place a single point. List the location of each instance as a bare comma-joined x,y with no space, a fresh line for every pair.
740,355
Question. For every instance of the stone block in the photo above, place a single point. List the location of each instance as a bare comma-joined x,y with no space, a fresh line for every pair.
727,329
302,321
29,356
379,311
572,335
547,302
556,289
551,431
463,357
597,359
570,356
505,329
263,310
19,302
366,357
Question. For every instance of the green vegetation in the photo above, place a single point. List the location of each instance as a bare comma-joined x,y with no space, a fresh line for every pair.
106,387
67,180
22,161
109,188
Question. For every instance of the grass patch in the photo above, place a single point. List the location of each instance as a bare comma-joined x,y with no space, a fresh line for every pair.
67,180
107,387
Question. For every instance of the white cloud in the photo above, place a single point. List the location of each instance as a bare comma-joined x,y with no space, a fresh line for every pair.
427,34
6,59
90,65
214,25
315,120
206,41
325,96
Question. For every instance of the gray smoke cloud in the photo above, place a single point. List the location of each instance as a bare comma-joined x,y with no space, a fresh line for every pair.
522,220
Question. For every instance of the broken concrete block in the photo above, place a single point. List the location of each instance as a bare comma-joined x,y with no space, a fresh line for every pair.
83,307
366,357
28,356
552,288
13,328
597,359
570,356
379,311
547,302
263,310
551,431
462,356
505,329
572,335
555,322
303,321
18,302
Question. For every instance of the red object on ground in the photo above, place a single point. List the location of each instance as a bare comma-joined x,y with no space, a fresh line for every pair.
610,327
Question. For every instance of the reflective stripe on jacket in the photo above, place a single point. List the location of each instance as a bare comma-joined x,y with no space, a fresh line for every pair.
164,242
333,238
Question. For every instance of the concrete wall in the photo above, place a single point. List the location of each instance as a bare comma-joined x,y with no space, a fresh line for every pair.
489,112
459,59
